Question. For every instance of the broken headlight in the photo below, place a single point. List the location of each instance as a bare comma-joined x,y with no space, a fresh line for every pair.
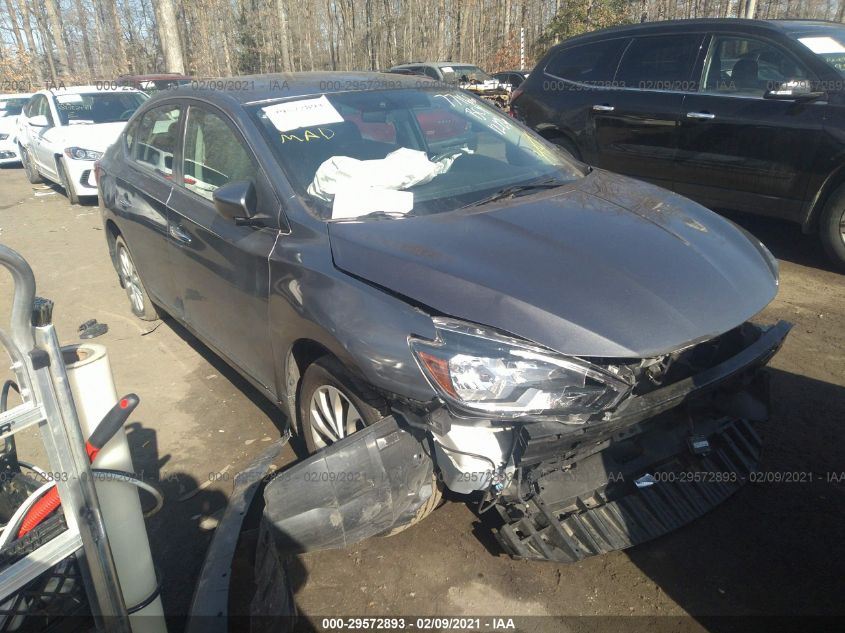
481,371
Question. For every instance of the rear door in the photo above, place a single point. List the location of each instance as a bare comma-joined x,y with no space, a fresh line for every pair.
738,150
143,181
574,79
222,269
635,125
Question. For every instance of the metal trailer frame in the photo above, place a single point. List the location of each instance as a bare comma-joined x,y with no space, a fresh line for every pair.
37,363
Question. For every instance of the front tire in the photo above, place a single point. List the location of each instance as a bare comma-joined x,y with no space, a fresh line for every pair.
832,227
66,184
333,404
140,302
31,170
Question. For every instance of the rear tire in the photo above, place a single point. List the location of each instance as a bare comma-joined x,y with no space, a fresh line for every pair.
31,170
334,404
66,184
139,301
832,227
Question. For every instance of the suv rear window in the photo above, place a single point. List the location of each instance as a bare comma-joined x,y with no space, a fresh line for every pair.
659,63
593,63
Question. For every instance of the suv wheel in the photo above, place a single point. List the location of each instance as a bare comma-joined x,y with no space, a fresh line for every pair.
139,300
31,171
66,184
832,227
334,404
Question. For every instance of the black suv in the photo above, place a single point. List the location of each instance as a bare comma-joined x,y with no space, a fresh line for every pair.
744,115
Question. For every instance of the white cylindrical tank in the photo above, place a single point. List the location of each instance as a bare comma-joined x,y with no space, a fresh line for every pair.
92,385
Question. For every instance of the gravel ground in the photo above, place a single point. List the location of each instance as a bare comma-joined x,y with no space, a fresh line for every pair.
773,549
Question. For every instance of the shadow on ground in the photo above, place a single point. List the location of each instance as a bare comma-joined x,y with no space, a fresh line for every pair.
777,546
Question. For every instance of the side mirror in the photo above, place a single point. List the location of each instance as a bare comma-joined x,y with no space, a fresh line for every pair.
39,120
237,201
793,90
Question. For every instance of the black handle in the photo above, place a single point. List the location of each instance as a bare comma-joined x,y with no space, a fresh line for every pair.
113,420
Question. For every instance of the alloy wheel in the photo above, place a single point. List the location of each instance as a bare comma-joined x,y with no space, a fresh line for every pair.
131,282
332,416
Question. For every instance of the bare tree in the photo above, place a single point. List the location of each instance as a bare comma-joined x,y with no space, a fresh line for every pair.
168,33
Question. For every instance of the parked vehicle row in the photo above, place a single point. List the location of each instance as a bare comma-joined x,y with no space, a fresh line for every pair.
10,108
63,132
741,115
437,296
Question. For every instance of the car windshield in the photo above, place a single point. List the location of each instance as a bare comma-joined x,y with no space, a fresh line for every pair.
405,152
464,74
828,43
97,107
12,106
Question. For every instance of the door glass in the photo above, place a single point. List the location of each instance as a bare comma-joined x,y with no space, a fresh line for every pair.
659,63
155,139
590,64
44,108
213,154
748,67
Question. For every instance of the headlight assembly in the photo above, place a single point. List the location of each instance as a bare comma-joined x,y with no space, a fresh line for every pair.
79,153
4,137
479,371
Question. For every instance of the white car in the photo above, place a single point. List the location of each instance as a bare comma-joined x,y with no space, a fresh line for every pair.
62,132
10,107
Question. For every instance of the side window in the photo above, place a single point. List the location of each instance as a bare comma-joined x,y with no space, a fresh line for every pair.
155,137
44,108
593,63
213,155
748,67
30,108
129,137
659,63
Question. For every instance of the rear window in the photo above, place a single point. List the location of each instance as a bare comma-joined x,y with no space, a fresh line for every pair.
589,63
659,63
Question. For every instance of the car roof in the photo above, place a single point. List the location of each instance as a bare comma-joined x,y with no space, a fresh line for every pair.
261,88
16,95
697,24
153,77
436,64
76,90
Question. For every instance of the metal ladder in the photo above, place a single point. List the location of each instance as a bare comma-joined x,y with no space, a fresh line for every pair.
37,363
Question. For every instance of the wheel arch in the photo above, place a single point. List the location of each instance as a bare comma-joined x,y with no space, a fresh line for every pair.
834,180
112,233
301,354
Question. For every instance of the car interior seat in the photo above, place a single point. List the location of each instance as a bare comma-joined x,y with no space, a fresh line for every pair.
745,75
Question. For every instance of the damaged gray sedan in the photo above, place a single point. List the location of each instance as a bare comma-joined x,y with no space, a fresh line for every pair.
438,297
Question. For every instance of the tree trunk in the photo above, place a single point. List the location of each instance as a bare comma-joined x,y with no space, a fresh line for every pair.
284,38
56,33
15,28
168,33
82,21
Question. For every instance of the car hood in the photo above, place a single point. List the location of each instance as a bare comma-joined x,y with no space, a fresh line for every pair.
93,136
607,266
9,124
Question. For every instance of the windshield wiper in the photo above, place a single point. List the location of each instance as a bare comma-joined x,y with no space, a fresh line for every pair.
510,192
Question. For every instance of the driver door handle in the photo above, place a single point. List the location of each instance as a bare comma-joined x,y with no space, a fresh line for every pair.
603,108
702,116
178,233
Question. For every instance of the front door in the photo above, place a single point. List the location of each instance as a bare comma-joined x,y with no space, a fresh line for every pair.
738,150
222,269
636,123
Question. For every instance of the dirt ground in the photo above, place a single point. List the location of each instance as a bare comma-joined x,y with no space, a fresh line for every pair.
773,549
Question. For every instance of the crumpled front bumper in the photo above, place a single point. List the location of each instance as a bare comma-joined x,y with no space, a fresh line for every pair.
664,460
